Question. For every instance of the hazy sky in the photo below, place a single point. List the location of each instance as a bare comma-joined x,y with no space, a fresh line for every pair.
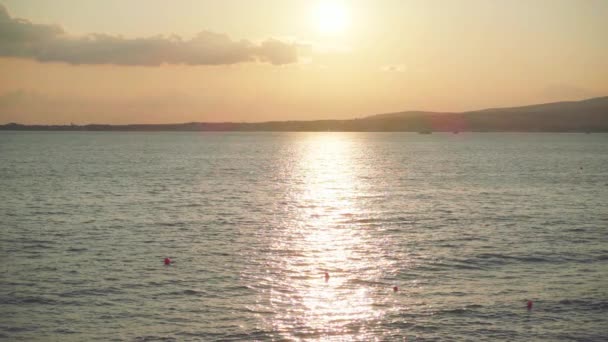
154,61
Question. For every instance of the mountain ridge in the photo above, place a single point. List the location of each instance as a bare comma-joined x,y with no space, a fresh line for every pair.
602,99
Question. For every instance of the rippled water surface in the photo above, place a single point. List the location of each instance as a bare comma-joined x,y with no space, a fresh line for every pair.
468,226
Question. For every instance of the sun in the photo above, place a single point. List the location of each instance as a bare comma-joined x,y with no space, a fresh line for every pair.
331,17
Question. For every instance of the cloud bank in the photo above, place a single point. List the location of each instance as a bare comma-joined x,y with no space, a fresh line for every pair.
50,43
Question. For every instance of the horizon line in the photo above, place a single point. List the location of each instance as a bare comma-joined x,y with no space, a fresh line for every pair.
424,112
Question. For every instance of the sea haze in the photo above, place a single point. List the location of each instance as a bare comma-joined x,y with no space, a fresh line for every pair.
469,226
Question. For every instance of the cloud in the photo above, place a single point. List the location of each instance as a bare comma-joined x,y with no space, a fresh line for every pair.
50,43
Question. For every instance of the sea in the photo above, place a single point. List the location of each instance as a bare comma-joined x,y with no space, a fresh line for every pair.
323,236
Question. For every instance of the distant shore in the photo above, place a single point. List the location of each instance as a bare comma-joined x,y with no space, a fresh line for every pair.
278,127
587,116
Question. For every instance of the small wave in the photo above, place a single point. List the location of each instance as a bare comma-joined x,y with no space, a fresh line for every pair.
497,258
585,303
19,329
173,224
190,205
192,292
456,311
75,249
65,331
366,282
602,257
28,300
154,338
366,220
91,292
575,230
260,312
255,335
38,246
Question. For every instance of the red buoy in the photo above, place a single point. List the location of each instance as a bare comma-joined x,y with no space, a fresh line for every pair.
326,277
530,305
395,288
167,261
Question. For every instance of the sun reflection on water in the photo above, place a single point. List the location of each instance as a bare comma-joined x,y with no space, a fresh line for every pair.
322,239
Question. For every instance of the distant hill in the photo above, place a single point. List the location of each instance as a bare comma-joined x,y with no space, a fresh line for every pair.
575,116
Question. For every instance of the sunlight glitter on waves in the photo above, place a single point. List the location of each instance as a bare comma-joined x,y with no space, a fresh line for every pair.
326,245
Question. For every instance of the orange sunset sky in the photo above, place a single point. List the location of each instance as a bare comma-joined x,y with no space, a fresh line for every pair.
159,61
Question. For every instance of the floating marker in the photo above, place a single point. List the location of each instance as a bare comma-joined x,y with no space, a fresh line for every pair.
167,261
530,305
395,288
326,277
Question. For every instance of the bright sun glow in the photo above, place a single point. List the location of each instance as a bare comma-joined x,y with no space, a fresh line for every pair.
331,17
